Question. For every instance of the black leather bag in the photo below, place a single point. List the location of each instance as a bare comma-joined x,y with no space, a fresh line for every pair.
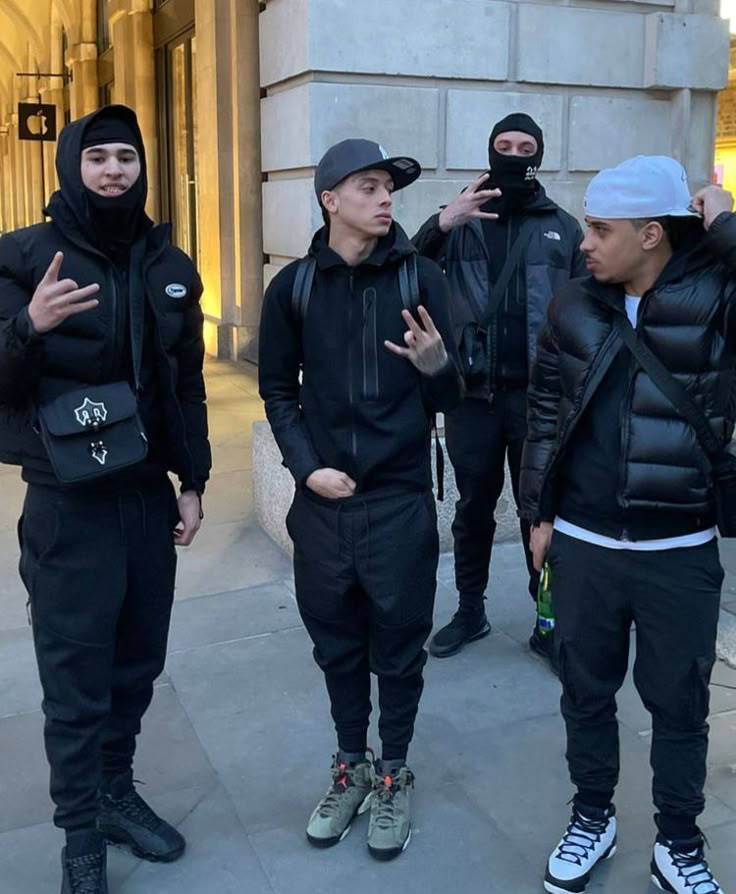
92,431
475,341
722,462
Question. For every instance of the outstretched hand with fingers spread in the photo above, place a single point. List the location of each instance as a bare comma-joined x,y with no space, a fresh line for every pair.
56,299
467,205
424,346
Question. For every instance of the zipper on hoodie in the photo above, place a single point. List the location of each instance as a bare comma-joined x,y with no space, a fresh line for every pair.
118,331
351,395
371,387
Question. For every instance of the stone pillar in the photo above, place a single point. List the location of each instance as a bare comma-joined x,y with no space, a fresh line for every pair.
84,88
14,179
247,169
618,79
229,174
6,216
131,33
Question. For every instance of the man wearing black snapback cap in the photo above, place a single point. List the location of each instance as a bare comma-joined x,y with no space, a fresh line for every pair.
505,246
355,434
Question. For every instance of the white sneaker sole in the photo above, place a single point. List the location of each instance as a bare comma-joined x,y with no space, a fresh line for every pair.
553,888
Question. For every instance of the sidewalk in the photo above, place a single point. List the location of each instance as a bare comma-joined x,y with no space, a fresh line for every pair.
237,744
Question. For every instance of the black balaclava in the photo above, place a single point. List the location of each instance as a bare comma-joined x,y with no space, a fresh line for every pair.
514,175
110,223
116,219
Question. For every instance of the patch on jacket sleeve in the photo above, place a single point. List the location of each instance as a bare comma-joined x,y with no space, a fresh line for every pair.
176,290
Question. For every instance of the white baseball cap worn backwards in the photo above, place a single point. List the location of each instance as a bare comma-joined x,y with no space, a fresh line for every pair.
645,186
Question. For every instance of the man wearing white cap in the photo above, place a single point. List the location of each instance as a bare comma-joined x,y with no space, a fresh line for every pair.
631,403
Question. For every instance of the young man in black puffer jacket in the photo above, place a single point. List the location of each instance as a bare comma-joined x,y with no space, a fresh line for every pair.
471,238
616,470
354,431
98,296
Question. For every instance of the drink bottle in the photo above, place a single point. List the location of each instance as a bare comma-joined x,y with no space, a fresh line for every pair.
545,613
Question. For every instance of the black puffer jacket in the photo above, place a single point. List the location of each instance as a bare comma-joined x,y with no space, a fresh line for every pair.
685,319
359,408
90,347
551,258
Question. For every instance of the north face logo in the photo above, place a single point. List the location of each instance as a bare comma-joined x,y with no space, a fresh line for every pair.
553,234
90,413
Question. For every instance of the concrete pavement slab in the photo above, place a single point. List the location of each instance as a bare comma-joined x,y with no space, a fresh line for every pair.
219,856
236,615
453,847
229,556
21,690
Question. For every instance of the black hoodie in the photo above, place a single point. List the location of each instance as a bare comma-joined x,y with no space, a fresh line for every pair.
360,409
138,308
473,256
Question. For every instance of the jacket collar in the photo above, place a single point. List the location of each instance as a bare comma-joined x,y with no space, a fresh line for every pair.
390,249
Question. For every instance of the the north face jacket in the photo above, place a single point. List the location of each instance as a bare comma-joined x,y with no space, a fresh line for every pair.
551,258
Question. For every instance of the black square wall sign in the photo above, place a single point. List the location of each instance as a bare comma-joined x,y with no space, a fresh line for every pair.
37,121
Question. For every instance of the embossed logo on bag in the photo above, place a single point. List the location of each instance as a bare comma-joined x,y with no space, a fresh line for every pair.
90,412
98,451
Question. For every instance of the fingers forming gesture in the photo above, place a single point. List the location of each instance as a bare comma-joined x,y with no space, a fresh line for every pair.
56,299
710,202
467,205
424,345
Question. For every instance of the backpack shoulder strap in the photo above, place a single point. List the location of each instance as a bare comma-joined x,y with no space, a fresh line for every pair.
409,283
410,298
302,288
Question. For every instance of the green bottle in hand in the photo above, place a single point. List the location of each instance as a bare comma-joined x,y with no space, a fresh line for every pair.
545,613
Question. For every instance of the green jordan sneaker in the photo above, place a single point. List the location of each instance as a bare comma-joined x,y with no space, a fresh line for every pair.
389,830
349,795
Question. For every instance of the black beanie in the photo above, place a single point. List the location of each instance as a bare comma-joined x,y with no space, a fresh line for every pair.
109,128
521,122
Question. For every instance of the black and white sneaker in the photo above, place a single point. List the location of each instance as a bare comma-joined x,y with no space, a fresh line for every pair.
681,867
590,838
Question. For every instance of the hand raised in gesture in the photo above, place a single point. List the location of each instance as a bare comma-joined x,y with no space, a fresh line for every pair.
56,299
467,205
424,346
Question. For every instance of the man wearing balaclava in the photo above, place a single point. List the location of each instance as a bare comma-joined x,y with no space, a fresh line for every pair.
101,356
505,247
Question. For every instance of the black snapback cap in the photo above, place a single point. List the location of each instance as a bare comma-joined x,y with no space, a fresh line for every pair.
351,156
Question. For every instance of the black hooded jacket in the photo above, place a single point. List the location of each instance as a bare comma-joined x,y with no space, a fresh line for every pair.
606,449
136,309
473,255
359,408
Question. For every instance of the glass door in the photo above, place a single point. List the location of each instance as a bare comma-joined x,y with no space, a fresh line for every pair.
180,142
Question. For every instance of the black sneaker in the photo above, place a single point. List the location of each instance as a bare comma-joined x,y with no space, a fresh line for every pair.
86,871
543,645
125,818
464,628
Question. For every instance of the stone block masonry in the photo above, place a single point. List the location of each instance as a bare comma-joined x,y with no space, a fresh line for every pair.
606,80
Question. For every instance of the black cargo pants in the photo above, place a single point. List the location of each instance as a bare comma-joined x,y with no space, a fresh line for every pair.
99,570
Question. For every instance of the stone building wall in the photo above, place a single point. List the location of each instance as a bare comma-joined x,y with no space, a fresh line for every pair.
606,80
